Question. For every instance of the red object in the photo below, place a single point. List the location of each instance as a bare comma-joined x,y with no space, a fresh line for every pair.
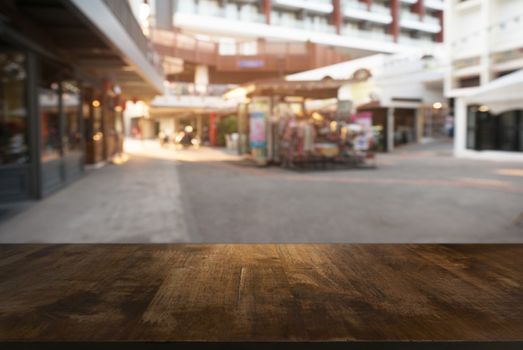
213,130
266,9
419,8
336,16
394,27
106,85
439,36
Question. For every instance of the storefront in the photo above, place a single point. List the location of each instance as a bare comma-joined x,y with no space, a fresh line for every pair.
489,123
40,137
210,126
61,66
17,158
60,124
51,123
379,117
403,93
400,126
487,131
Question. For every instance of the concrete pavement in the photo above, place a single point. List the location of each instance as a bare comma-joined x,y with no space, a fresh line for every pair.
408,199
162,195
137,202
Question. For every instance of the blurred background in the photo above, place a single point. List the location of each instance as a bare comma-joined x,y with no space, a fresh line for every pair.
261,121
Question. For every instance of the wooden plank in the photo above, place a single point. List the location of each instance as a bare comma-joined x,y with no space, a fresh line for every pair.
261,293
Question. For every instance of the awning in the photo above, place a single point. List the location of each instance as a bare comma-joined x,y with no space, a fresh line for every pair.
502,94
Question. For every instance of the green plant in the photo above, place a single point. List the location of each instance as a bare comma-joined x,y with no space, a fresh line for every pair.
227,125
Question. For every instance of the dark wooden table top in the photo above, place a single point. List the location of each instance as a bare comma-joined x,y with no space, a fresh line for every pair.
261,292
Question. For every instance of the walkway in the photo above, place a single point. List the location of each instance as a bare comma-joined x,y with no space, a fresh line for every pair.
206,195
138,201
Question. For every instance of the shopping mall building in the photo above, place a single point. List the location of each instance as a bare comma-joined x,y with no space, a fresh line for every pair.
235,42
485,77
66,69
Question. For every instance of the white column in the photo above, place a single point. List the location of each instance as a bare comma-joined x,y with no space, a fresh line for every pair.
420,123
486,20
390,129
449,36
460,126
201,78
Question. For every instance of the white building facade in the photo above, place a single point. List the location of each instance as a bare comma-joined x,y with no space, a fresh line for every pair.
361,26
484,78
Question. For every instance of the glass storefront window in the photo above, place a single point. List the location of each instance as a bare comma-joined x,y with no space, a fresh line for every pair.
486,131
508,131
13,113
471,127
71,108
520,138
499,132
48,97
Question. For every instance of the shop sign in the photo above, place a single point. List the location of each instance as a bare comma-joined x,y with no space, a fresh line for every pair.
251,63
364,119
257,135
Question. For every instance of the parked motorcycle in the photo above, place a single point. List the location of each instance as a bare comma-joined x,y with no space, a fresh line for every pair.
186,138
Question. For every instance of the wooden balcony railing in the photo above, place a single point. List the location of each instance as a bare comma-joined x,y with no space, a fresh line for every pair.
269,57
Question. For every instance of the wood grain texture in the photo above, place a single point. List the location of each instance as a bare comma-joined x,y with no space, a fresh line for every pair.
261,292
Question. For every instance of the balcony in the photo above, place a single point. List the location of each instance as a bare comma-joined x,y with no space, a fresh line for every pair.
366,34
418,42
247,13
244,56
284,25
438,5
359,11
318,6
412,21
185,96
179,89
315,24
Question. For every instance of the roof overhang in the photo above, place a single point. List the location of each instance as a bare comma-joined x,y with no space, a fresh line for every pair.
322,89
99,39
119,31
500,95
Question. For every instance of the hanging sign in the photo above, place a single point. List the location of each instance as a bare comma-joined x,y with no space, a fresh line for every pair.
251,63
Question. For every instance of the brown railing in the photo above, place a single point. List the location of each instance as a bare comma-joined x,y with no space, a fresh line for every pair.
282,57
170,43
